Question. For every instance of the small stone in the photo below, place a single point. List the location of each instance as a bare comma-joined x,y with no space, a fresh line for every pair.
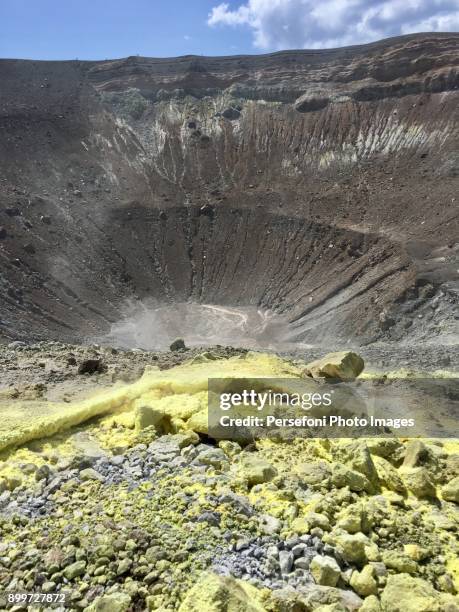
370,604
269,524
450,492
123,566
212,518
399,562
117,460
91,366
302,563
217,593
419,482
178,345
388,475
416,454
91,474
445,583
75,569
13,481
344,365
43,472
416,552
214,457
256,470
352,547
356,456
314,473
285,561
342,476
317,519
407,594
325,570
29,468
299,550
114,602
363,582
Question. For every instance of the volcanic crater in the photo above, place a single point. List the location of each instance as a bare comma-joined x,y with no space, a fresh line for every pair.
300,197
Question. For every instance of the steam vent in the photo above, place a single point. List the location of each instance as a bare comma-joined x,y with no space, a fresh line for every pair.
308,194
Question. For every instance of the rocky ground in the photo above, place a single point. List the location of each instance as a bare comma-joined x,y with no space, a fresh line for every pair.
57,371
128,519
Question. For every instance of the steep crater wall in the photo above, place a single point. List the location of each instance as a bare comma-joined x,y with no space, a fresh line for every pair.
318,187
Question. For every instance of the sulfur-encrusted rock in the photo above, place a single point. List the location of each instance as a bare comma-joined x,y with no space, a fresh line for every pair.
363,582
450,492
314,472
416,552
353,518
269,524
356,456
146,416
213,593
388,448
13,481
349,521
312,597
419,482
325,570
115,602
351,546
342,476
344,365
388,475
199,422
91,474
416,454
256,470
300,525
399,562
74,570
403,593
371,604
214,457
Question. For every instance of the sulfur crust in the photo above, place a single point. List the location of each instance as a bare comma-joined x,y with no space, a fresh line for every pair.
181,392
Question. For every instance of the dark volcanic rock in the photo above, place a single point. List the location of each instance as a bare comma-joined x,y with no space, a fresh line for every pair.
91,366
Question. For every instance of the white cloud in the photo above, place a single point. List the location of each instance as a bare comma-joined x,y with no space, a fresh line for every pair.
287,24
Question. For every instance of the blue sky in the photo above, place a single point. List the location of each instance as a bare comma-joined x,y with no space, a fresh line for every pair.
99,29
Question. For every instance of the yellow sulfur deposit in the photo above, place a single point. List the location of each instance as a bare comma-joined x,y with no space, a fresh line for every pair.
181,392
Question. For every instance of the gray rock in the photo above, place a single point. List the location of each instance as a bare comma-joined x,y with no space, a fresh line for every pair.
285,561
299,550
240,503
302,563
117,460
91,474
269,524
214,457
